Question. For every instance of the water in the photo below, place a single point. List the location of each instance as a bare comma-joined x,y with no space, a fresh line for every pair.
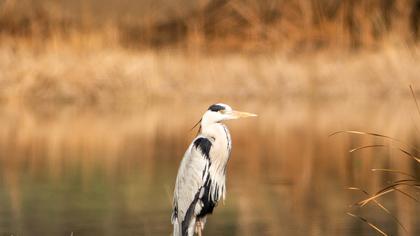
111,171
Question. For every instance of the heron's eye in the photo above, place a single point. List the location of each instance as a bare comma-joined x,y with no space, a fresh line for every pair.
222,111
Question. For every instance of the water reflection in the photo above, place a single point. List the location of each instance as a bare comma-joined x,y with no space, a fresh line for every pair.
112,172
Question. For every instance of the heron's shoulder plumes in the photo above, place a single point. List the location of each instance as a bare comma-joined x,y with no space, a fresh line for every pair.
204,145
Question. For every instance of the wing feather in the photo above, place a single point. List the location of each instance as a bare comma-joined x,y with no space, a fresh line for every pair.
192,174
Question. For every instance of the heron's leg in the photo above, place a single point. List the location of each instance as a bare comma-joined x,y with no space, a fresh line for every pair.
198,227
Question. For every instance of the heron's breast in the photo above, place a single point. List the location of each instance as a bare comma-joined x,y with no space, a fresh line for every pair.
220,150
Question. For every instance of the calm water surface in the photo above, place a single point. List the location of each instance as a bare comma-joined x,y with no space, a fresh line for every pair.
95,172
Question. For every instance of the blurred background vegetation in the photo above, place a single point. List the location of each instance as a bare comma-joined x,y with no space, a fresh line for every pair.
97,99
142,49
297,26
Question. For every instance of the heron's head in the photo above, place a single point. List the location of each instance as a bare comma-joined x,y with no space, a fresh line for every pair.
220,112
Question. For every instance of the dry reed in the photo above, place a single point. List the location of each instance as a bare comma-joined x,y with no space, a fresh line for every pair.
296,26
410,184
103,77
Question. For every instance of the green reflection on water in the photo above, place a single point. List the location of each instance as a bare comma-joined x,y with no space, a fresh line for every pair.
114,175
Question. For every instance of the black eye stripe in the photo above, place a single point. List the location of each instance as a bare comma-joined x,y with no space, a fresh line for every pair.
216,108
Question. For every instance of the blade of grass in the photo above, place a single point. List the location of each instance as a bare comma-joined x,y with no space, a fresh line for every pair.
382,207
397,183
395,171
409,154
168,194
364,133
408,195
375,135
417,106
414,157
367,200
415,99
390,188
367,146
367,222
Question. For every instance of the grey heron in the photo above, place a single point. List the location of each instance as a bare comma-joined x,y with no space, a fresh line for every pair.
200,183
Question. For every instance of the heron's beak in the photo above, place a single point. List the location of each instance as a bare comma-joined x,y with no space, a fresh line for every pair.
241,114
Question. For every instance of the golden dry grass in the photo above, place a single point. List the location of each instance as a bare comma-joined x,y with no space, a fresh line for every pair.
295,26
64,73
77,53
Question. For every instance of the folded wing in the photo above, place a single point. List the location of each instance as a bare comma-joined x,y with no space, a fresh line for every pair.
191,186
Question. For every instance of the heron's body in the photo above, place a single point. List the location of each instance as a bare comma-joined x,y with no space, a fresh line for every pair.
200,183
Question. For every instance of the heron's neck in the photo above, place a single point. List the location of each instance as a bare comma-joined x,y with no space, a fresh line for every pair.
210,129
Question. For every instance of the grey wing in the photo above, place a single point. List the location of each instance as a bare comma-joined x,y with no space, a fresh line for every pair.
191,177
